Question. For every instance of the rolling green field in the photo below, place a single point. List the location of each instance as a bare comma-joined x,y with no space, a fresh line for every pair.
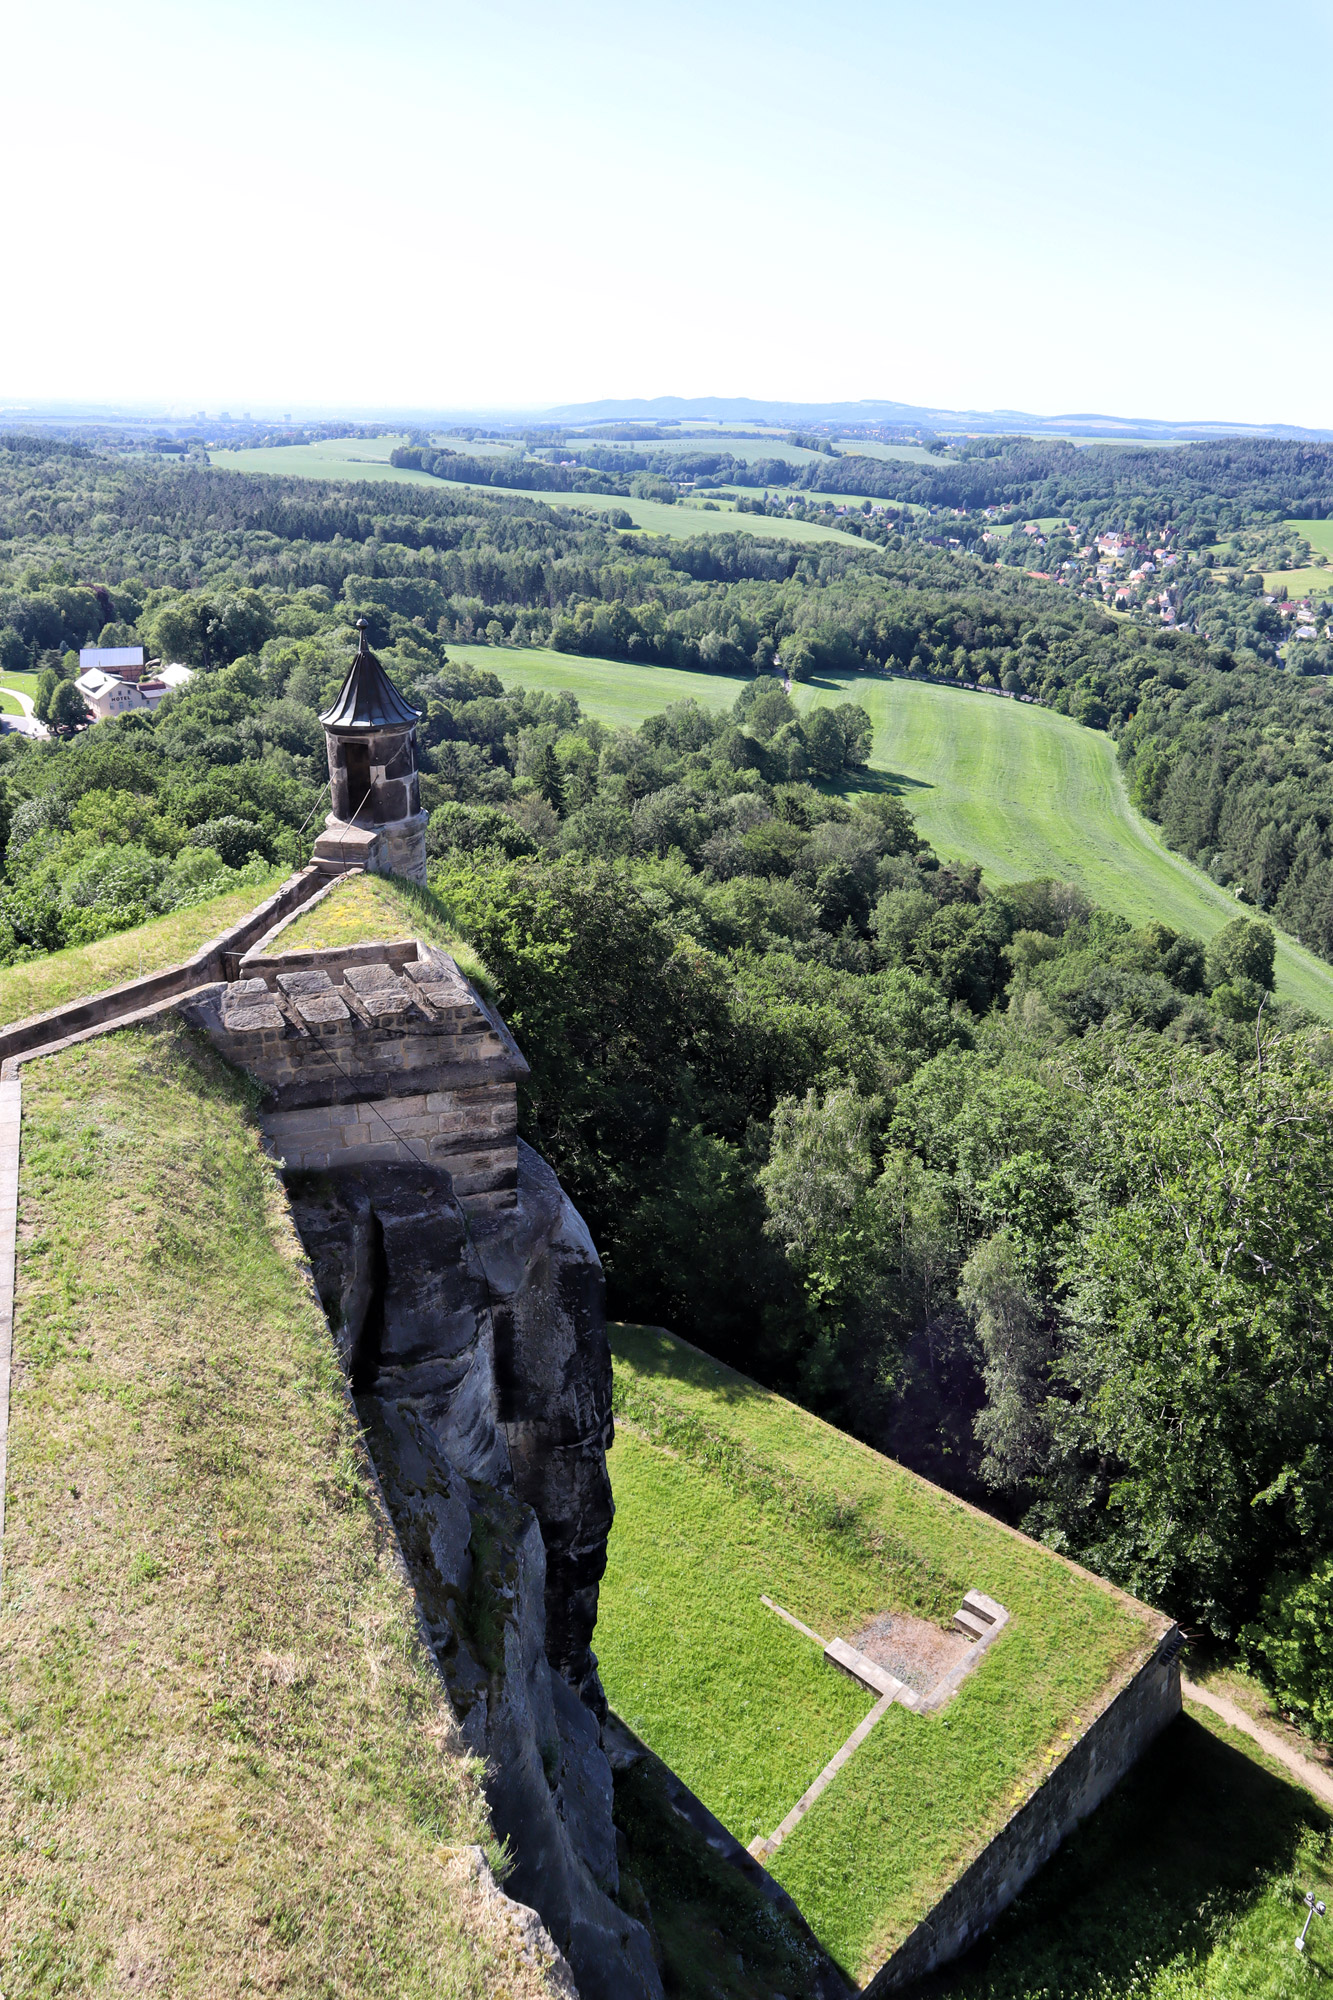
608,689
367,458
1022,790
724,1491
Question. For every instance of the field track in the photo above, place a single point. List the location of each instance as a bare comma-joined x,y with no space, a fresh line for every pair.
1022,790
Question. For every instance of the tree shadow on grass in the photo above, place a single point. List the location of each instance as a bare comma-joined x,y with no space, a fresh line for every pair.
1192,1836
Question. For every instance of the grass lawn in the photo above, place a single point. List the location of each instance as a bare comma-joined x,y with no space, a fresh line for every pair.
608,689
226,1765
1019,788
20,684
724,1491
363,909
1187,1884
91,968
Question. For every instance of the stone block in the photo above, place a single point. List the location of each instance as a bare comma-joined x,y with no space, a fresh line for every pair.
313,980
846,1658
970,1626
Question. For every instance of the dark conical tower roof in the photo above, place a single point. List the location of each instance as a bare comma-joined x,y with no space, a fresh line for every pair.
369,700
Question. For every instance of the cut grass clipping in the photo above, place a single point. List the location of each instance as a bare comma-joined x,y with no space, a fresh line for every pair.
226,1765
724,1491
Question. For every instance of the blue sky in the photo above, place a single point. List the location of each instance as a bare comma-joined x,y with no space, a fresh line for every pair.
214,203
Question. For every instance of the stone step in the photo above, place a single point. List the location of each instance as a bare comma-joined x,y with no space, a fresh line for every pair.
845,1657
983,1607
971,1626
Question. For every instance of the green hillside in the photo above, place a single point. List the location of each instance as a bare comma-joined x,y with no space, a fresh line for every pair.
1021,789
367,458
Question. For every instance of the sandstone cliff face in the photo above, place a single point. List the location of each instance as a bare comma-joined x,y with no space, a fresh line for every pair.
476,1346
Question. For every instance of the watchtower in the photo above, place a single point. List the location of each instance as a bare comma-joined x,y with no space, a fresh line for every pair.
377,822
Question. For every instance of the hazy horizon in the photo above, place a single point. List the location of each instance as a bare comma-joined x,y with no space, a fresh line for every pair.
425,208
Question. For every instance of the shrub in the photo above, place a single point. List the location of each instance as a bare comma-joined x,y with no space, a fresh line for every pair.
1290,1645
235,839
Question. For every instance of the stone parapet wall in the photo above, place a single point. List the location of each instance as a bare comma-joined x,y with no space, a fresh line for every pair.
218,959
1112,1742
375,1055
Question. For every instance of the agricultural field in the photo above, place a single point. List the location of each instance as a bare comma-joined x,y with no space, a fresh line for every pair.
1023,790
725,1492
367,458
1306,582
331,458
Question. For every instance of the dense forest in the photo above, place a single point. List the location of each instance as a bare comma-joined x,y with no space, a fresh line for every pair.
1033,1199
1204,490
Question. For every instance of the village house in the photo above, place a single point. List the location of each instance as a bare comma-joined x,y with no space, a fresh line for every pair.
107,694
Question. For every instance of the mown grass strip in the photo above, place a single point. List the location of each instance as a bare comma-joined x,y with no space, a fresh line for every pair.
368,909
225,1763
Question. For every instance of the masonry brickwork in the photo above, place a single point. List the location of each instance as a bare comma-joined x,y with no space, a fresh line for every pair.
375,1055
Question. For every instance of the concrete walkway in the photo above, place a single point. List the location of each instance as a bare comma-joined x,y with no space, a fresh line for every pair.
1313,1776
24,701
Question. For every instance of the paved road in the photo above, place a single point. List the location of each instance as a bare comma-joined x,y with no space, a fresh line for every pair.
1311,1775
27,723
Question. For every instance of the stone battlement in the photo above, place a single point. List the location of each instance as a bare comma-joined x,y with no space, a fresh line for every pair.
377,1054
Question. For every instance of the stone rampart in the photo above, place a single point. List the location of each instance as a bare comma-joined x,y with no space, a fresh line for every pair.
1093,1766
217,959
375,1055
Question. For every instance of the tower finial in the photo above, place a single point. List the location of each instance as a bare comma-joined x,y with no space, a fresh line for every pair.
363,644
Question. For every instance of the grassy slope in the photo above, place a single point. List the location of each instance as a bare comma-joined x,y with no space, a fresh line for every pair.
363,909
724,1490
366,458
1028,792
1187,1884
91,968
608,689
1019,788
226,1765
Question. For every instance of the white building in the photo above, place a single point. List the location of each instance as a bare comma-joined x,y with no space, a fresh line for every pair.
106,694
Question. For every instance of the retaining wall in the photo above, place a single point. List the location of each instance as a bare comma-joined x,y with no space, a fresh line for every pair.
472,1134
1079,1783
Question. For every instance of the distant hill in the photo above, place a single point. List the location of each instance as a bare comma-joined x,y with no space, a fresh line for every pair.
913,416
109,423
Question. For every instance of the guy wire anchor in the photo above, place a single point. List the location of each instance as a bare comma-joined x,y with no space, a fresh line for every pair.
1312,1909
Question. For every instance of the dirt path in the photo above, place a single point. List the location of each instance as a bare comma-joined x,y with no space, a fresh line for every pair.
1311,1775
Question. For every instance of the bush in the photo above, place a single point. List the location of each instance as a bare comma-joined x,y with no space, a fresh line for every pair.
1290,1646
459,829
235,839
